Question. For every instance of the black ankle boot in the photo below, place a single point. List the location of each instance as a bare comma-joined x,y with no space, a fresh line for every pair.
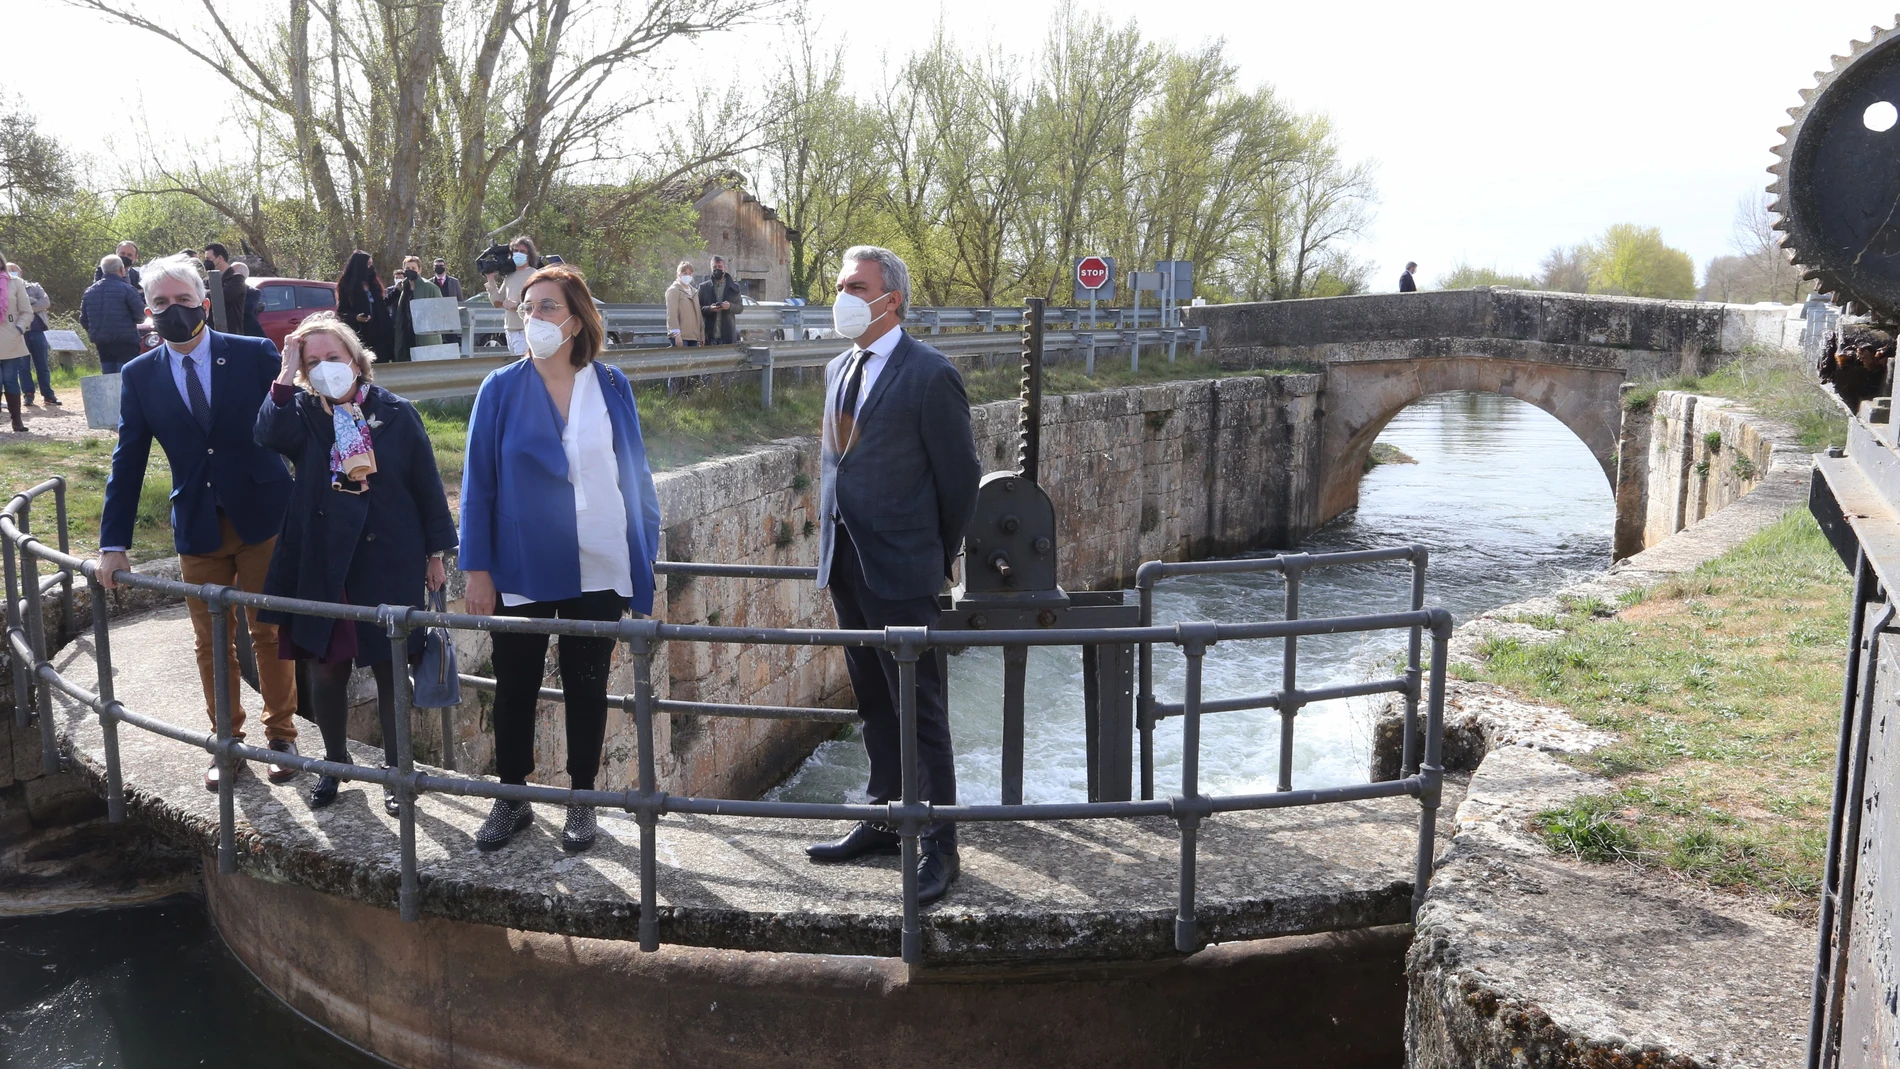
579,832
324,792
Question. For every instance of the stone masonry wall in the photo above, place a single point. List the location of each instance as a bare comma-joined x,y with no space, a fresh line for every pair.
1704,453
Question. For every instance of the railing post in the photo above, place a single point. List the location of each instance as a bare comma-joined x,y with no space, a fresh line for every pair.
909,827
1173,336
41,696
468,332
408,896
640,646
108,704
21,694
760,356
65,546
1200,337
1408,762
1194,642
1289,672
1145,682
1087,342
213,597
1431,772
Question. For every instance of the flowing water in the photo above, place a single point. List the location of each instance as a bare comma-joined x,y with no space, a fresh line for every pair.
1508,500
1510,504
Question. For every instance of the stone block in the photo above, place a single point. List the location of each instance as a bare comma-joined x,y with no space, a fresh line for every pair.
60,799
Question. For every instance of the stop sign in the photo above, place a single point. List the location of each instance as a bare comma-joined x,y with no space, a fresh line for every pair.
1091,272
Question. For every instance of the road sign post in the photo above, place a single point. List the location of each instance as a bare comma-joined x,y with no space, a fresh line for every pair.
1094,278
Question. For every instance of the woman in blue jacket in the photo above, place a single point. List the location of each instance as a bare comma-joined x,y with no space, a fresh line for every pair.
559,520
367,524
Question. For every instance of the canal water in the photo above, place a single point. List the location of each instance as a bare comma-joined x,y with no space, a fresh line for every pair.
1510,503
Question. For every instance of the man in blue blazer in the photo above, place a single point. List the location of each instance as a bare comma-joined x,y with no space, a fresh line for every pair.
198,396
897,488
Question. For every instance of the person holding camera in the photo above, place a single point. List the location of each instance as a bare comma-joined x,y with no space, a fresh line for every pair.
505,290
367,525
559,521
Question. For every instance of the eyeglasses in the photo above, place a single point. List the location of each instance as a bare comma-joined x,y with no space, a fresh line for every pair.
547,307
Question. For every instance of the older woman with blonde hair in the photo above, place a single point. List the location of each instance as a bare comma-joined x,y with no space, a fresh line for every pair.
368,522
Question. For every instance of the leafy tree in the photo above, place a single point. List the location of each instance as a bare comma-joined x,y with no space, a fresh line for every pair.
1464,276
1633,261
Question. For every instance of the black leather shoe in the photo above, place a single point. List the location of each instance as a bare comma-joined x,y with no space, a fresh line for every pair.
283,773
503,822
868,837
936,871
324,792
391,804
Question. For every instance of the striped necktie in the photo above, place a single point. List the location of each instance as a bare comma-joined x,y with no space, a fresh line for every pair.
847,416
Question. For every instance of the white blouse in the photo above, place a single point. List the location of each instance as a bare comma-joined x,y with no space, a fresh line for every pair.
600,512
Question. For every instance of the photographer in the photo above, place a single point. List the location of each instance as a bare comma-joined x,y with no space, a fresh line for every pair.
412,285
505,290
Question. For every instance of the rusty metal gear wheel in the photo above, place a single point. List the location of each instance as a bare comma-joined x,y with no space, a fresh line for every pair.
1837,182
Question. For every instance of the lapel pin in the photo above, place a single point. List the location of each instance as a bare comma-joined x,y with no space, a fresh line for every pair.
220,361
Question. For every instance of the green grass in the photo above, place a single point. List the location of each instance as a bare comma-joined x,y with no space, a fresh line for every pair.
1774,382
1723,687
85,463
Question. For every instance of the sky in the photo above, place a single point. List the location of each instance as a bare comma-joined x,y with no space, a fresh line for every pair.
1499,130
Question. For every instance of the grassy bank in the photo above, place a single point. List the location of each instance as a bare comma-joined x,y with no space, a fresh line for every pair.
713,419
1776,383
1723,686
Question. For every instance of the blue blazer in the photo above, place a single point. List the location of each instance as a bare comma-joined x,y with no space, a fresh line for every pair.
226,467
518,519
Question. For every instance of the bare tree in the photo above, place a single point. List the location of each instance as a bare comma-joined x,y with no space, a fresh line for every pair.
387,105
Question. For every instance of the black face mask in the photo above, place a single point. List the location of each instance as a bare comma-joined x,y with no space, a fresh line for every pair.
179,323
719,272
410,274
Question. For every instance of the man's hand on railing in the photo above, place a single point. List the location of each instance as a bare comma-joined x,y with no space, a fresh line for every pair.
112,561
480,598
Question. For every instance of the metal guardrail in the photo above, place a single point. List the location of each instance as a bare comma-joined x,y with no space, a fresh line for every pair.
648,321
445,379
28,644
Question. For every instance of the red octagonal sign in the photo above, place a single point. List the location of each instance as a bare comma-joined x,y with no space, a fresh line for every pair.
1092,272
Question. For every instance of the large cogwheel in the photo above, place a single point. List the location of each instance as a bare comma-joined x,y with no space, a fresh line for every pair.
1837,183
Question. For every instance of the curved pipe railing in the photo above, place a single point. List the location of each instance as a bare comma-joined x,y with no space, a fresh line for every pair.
28,645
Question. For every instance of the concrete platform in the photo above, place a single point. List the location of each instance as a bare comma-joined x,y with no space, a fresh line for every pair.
1080,890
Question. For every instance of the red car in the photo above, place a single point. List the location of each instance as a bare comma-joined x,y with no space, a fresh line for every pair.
286,302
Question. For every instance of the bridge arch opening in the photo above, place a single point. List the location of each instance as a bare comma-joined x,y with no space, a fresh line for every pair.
1363,397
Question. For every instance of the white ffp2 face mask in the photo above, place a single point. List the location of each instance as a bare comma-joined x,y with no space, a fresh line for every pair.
333,379
851,315
544,338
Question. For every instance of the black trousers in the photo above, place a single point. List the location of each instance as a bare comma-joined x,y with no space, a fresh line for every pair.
874,680
520,663
330,695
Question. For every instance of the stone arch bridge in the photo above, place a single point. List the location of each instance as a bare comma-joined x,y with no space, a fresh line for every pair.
1568,354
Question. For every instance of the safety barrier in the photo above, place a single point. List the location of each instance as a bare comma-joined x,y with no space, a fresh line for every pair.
28,644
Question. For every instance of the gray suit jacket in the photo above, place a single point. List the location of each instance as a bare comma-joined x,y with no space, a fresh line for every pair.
907,485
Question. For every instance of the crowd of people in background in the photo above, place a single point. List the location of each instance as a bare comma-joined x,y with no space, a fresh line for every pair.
1858,364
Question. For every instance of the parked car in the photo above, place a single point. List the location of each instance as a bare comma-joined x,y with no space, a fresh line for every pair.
286,302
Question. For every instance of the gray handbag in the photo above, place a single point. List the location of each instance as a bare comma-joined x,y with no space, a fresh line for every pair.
438,681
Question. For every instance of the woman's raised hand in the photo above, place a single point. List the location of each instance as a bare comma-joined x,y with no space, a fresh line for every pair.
293,360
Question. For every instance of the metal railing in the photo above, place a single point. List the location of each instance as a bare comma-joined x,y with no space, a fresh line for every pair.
28,645
443,379
1289,699
646,323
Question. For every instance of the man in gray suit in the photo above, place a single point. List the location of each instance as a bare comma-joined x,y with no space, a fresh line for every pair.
897,489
